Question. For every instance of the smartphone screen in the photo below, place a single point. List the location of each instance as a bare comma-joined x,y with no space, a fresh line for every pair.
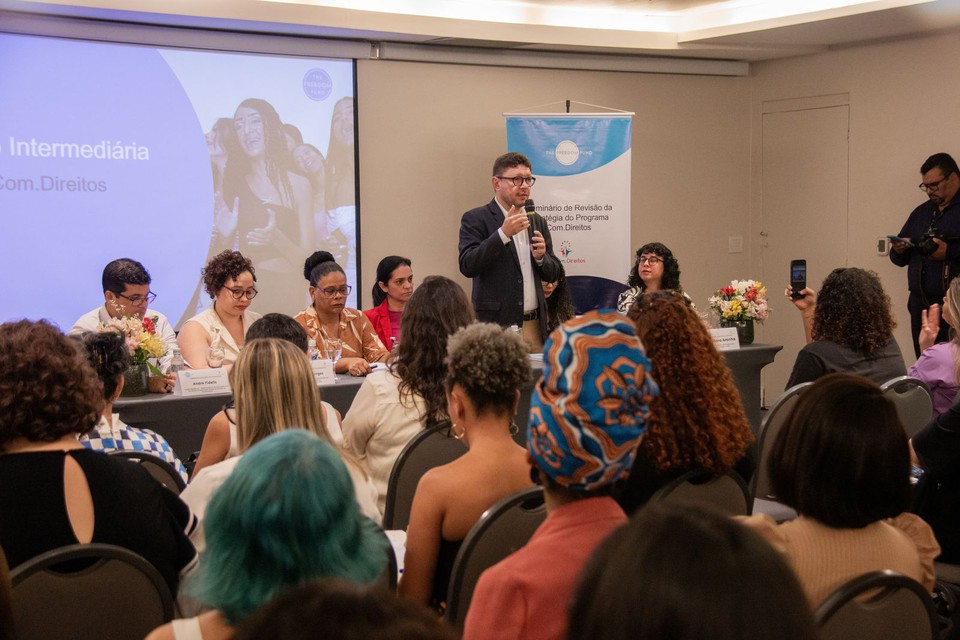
798,277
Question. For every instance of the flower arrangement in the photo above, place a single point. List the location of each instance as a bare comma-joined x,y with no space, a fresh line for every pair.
141,338
742,300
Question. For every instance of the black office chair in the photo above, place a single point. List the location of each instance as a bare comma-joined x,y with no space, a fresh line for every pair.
913,401
430,448
760,489
161,470
89,591
880,605
727,493
593,292
501,530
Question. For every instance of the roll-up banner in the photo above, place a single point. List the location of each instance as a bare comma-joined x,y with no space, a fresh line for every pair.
582,165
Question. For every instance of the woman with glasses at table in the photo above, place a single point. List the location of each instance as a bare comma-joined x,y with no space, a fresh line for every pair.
230,280
329,321
655,269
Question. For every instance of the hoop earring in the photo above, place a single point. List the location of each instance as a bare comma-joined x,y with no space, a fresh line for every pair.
514,429
454,433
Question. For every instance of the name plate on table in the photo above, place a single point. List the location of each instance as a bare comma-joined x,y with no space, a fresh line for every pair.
323,372
201,382
725,339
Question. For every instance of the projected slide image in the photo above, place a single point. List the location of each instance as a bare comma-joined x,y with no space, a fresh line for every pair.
168,157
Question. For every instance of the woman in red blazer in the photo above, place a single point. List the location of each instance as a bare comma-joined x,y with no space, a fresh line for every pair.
393,288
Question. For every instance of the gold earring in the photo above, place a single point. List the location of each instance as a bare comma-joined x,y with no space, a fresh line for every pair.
514,429
453,431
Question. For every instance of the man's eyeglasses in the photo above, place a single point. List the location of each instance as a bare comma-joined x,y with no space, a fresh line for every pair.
332,292
932,186
650,260
237,294
138,300
518,180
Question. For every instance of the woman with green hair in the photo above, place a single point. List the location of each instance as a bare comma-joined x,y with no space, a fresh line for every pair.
284,517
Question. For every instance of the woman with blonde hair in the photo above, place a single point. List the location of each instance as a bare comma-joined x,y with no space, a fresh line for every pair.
274,390
697,421
486,369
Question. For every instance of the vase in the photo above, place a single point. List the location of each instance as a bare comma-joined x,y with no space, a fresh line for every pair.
744,329
135,380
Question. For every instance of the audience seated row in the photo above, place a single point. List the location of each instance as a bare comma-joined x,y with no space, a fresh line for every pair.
841,461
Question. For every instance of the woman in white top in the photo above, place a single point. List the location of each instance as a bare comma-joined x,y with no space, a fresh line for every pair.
274,391
229,278
392,406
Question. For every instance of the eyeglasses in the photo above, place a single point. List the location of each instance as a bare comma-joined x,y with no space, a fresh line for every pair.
518,180
237,294
933,186
650,260
138,300
332,292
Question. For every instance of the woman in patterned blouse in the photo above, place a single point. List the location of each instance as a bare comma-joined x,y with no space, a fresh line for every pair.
329,319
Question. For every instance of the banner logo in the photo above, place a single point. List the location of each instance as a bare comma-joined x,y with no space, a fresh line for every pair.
567,152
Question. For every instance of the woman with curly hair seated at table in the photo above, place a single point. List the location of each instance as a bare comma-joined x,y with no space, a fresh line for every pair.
230,279
655,269
55,491
108,355
849,328
697,421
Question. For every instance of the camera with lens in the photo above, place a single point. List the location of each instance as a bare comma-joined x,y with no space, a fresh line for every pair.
925,244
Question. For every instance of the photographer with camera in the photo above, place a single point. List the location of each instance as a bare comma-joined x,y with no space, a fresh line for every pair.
929,244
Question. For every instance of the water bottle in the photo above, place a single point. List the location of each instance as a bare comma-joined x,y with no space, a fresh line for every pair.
176,363
312,352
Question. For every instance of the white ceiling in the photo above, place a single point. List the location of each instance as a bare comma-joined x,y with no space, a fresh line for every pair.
745,30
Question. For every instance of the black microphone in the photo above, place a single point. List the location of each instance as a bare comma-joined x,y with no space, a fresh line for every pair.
529,207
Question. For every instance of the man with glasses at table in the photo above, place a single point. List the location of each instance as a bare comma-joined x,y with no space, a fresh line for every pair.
508,252
126,293
929,244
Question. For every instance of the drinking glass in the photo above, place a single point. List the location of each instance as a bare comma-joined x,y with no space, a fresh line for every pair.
334,347
215,356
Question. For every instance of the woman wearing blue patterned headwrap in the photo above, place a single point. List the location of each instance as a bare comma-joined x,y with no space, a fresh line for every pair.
587,415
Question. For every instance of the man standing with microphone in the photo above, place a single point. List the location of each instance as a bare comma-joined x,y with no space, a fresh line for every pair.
507,251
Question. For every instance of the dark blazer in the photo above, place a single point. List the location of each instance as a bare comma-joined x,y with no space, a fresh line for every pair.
495,267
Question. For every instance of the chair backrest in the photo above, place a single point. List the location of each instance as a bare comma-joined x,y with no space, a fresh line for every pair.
593,292
89,591
501,530
727,493
881,605
769,428
913,401
430,448
161,470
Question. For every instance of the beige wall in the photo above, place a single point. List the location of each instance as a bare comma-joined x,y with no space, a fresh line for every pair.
429,134
904,99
